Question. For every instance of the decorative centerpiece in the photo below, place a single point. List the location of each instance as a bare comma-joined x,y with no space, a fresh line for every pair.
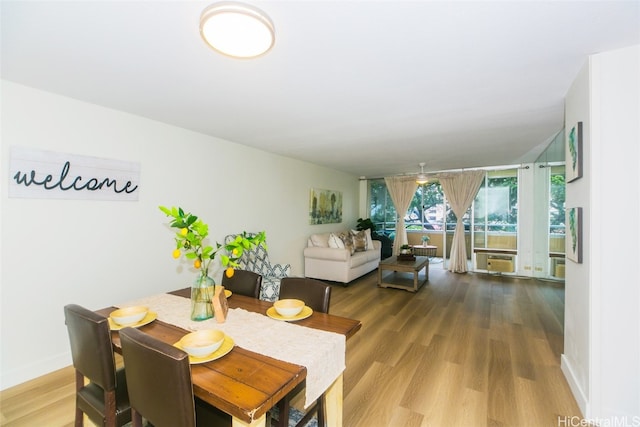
190,240
406,253
425,240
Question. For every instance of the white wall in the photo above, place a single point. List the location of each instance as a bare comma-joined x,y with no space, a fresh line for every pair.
55,252
575,360
602,311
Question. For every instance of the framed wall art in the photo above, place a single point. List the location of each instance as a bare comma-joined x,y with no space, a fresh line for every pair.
573,153
573,240
325,206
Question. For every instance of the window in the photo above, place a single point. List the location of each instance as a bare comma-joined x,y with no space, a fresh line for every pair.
556,209
493,216
383,212
426,211
495,211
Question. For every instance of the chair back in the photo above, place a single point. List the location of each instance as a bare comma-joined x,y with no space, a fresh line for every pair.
159,380
243,282
104,398
91,347
315,293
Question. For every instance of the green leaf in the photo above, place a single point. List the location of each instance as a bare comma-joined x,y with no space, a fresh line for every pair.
190,255
224,260
207,252
191,219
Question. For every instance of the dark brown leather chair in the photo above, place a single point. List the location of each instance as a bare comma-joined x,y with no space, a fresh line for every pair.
160,387
317,295
104,399
243,282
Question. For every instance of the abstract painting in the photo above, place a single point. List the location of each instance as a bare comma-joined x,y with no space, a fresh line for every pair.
573,153
325,206
573,240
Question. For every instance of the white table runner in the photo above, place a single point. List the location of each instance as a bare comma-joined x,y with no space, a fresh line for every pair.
321,352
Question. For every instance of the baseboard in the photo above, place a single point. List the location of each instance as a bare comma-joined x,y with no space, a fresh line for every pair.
34,370
578,393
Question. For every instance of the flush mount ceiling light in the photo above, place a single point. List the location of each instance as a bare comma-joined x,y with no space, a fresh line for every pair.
237,29
422,178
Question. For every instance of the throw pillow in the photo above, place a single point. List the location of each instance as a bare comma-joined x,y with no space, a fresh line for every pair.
369,239
348,241
359,241
335,242
320,240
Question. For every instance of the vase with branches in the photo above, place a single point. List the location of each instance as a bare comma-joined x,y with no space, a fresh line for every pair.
190,239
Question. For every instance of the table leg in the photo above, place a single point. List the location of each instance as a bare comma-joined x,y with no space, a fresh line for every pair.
333,403
260,422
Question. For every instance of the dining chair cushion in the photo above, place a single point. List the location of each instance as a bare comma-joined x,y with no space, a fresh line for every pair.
104,398
243,282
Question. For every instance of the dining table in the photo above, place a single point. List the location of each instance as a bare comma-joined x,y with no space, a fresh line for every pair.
244,383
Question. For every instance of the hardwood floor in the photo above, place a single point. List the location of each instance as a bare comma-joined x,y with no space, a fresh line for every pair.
465,350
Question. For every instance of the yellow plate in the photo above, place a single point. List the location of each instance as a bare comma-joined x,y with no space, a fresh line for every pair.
227,293
306,312
226,347
150,317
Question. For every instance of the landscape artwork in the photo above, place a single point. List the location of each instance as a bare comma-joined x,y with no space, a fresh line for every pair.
325,206
573,157
573,248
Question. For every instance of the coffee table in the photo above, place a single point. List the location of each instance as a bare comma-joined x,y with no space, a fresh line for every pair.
403,274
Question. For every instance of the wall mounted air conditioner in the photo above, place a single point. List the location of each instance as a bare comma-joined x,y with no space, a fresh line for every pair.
557,267
500,264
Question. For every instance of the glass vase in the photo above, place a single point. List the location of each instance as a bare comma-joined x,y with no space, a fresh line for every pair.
202,297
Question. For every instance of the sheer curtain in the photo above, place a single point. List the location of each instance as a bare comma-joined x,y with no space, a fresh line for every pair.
460,189
401,189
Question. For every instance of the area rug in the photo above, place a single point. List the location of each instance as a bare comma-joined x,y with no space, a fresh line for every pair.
294,417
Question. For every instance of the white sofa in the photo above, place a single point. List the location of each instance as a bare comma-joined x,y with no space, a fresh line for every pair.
328,262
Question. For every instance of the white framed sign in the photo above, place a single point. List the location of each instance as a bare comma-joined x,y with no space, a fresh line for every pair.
38,174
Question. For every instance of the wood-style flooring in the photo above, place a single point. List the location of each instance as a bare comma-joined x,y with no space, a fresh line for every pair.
465,350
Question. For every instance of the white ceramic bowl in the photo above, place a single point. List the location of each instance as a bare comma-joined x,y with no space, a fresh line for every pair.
202,343
288,307
129,315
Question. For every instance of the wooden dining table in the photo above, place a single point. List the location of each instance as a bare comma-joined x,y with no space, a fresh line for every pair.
246,384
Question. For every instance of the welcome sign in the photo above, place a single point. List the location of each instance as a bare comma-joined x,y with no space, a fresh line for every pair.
38,174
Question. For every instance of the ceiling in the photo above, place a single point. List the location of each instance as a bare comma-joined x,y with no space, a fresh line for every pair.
371,88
